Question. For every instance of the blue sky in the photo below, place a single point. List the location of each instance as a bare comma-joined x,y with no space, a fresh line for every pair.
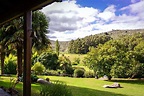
72,19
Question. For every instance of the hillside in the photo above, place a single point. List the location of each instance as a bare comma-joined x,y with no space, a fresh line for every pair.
119,33
114,34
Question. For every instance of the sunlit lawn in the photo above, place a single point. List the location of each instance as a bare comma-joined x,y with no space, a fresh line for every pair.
89,86
73,56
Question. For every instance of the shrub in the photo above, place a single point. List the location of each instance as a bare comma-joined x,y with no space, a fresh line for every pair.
78,67
34,78
49,60
55,89
65,65
79,72
76,61
53,72
69,71
38,68
10,65
89,74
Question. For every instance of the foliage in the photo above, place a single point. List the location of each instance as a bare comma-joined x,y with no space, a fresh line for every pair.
34,56
89,74
12,35
117,58
13,83
79,73
57,88
34,78
10,65
68,71
76,61
49,60
65,64
53,72
81,46
40,25
57,47
38,68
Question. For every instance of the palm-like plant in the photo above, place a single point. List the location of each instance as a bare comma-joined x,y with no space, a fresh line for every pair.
15,28
40,26
5,35
16,41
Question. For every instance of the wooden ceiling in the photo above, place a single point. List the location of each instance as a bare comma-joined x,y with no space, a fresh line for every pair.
10,9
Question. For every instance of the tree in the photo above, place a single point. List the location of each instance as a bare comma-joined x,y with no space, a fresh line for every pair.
70,47
81,46
40,25
57,47
40,40
117,58
16,41
48,59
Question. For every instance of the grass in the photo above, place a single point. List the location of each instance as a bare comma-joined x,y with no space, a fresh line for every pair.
93,87
5,81
81,56
89,86
73,56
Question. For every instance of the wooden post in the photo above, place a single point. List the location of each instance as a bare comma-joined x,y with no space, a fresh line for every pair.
27,54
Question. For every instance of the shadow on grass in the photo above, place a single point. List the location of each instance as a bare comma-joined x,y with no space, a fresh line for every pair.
76,91
80,91
19,87
131,81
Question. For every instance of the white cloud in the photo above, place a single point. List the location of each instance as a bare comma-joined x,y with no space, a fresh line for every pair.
134,1
69,20
135,8
108,13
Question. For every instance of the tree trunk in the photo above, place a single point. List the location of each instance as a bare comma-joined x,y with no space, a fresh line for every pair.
2,60
109,78
19,61
132,77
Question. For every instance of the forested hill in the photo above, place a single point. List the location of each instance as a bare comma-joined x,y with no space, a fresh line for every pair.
82,45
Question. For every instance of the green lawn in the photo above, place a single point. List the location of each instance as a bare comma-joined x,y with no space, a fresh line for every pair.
89,86
73,56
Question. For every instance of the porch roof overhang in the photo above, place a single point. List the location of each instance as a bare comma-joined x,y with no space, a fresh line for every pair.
10,9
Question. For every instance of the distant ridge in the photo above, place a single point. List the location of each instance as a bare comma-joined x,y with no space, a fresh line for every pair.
115,34
118,33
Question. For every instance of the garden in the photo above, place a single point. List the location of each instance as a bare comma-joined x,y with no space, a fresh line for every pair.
77,71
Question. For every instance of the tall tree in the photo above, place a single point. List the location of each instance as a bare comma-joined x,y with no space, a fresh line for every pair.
40,24
57,47
16,41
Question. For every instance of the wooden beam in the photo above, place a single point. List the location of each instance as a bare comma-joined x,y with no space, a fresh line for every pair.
27,54
16,8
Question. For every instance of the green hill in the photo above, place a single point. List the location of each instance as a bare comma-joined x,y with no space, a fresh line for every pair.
115,34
